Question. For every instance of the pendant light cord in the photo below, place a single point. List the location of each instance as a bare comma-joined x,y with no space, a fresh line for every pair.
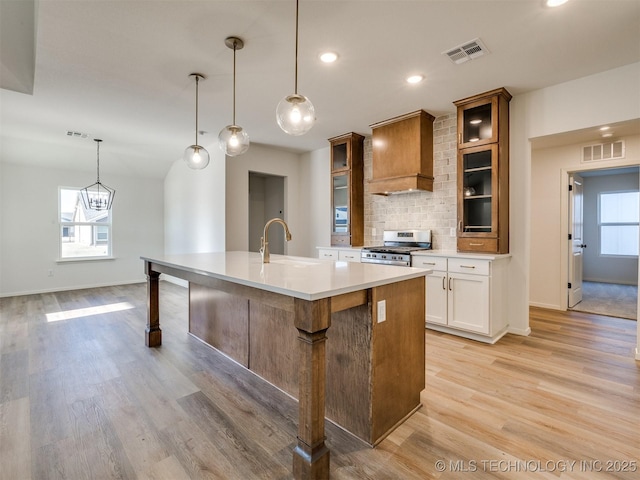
235,44
295,89
197,81
98,160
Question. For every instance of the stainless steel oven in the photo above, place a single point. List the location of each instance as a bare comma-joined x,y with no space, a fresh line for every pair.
397,247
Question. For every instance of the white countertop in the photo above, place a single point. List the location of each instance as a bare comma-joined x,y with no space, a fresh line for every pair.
455,254
300,277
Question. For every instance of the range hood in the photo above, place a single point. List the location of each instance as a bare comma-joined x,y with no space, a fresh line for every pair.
402,154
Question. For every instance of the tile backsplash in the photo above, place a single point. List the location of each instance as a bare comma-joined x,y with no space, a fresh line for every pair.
418,210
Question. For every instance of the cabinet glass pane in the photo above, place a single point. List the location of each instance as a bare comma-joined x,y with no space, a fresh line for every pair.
477,190
340,204
339,156
477,124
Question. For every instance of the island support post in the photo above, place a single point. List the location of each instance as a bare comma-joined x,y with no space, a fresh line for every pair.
311,456
153,334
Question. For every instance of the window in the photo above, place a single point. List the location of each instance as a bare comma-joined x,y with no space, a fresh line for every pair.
84,234
618,223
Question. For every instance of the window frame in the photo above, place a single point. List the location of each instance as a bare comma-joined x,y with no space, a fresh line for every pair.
74,226
613,224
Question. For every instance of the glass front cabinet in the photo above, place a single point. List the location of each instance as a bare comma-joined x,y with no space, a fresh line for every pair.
483,173
347,190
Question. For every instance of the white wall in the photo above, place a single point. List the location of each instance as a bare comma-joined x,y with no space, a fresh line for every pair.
272,161
194,202
607,97
29,230
549,217
316,181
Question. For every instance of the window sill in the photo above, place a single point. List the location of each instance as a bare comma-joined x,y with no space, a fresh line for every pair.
84,259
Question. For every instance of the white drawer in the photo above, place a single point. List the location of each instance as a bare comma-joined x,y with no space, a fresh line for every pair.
434,263
328,254
349,255
469,265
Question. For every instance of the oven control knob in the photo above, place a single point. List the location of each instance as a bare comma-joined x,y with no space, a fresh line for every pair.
384,256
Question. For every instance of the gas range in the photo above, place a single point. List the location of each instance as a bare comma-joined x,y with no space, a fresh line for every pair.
397,247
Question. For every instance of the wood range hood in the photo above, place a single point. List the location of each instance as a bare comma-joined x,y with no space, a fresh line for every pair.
402,154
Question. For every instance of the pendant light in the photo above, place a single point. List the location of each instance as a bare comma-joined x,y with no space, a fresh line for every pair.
196,156
233,140
295,113
97,196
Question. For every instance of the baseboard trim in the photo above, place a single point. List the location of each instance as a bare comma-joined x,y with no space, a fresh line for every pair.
548,306
65,289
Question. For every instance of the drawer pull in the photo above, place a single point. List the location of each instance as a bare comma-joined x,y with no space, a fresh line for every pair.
349,256
428,263
328,254
467,266
476,244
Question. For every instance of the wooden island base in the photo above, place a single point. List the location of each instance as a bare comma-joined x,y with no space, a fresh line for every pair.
368,374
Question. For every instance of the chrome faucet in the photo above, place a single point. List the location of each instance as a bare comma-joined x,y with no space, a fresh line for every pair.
264,241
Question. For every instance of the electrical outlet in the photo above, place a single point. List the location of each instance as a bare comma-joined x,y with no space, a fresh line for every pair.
373,232
382,311
452,232
50,273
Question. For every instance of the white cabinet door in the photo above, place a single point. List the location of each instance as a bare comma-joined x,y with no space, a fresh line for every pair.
468,302
436,295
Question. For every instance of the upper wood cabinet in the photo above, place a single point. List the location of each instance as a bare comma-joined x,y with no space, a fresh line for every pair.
347,190
402,154
483,172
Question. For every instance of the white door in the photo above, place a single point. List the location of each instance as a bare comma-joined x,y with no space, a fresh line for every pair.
576,242
469,302
436,295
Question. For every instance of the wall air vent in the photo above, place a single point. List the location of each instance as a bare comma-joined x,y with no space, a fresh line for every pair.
467,51
603,151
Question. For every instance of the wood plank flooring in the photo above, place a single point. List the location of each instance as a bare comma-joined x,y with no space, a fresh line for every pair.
83,398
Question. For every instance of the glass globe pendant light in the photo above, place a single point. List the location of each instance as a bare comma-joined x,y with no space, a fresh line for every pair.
295,113
196,156
233,140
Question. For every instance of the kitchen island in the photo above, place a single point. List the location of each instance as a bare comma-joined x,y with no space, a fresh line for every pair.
366,371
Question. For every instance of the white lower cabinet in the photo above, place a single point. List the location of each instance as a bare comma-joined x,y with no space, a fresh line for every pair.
465,296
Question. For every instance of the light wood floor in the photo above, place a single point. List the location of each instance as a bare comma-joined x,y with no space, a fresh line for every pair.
83,398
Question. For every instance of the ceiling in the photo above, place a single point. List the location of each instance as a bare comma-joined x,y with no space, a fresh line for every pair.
119,70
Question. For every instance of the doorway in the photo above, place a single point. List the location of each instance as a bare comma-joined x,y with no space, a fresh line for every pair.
266,201
603,244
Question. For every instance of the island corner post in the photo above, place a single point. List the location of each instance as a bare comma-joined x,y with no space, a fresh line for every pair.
312,319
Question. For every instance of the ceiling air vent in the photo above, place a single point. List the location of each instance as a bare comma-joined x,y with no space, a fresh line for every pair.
603,151
467,51
71,133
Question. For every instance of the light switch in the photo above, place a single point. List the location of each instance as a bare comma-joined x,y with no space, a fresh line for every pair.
382,311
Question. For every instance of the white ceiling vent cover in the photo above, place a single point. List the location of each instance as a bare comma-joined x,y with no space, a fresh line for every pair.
467,51
603,151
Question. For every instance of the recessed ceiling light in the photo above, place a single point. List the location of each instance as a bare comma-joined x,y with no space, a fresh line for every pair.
555,3
606,127
415,79
328,57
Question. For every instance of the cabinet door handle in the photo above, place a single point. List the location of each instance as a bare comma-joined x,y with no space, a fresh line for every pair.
460,226
459,138
467,266
443,285
450,284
